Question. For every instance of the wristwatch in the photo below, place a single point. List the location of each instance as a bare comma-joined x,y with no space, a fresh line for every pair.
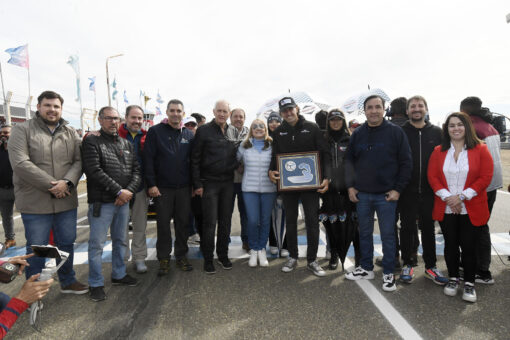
462,197
70,184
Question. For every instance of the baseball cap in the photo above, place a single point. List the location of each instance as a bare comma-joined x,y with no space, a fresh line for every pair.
336,114
188,120
354,123
274,116
286,102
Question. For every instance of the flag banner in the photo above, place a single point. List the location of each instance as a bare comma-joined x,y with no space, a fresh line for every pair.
78,90
158,111
146,99
125,98
114,94
114,84
142,94
19,56
74,62
92,85
159,99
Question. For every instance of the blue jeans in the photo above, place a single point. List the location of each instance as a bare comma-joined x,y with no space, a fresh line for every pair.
115,218
37,232
368,203
258,214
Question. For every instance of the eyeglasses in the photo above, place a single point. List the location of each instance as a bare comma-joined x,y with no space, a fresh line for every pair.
258,126
190,125
111,119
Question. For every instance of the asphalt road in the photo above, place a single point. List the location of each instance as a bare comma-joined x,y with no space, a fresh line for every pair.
261,303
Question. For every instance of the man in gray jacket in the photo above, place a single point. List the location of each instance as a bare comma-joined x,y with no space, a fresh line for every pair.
46,162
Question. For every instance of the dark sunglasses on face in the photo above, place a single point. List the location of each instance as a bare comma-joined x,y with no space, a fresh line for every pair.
257,126
190,125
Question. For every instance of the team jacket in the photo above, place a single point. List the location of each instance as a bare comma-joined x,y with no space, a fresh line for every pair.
110,165
422,142
304,136
167,154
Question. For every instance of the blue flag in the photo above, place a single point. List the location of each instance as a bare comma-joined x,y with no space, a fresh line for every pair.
92,85
125,98
159,99
19,56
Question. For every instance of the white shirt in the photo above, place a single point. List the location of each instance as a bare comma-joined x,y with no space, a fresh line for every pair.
456,174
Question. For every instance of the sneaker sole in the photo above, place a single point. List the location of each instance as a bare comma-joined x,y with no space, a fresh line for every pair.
75,292
222,266
469,299
287,269
319,274
408,281
97,300
125,284
357,278
434,280
449,293
490,282
390,289
210,273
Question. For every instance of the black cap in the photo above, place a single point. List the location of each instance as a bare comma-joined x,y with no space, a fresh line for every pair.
286,102
274,116
336,114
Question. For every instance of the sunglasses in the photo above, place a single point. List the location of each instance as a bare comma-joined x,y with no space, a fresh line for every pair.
190,124
258,126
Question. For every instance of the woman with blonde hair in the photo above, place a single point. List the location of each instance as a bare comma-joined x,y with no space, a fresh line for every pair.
259,192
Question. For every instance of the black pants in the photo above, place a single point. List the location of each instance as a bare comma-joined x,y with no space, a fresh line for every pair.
458,231
413,207
216,206
310,201
196,210
483,244
173,203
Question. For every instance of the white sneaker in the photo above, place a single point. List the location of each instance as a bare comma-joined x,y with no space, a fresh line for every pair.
273,250
262,258
451,287
469,292
252,262
389,284
290,265
284,253
360,274
315,268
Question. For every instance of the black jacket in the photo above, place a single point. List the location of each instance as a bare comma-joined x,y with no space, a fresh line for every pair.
378,159
167,154
304,136
422,142
338,145
110,165
213,156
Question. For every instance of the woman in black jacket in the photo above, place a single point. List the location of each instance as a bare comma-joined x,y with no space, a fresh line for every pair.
337,211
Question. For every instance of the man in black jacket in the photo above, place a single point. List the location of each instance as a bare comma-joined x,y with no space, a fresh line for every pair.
378,168
167,173
113,175
213,162
417,199
298,135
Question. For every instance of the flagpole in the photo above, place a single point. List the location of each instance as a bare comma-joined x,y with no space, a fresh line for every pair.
3,93
27,112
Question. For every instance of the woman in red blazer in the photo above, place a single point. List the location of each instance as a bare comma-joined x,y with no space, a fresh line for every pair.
460,170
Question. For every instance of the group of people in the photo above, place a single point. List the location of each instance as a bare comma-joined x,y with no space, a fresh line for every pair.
193,170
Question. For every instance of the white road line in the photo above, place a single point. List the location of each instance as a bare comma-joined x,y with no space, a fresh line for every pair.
398,322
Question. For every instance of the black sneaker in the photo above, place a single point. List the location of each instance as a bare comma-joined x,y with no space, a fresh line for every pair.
225,263
209,267
125,281
484,277
97,294
333,262
164,267
184,265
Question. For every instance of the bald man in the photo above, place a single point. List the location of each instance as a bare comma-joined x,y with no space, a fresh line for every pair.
213,161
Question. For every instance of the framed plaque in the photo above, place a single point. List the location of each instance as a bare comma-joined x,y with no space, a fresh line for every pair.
299,171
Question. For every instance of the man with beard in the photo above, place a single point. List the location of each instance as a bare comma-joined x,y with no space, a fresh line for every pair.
46,162
417,199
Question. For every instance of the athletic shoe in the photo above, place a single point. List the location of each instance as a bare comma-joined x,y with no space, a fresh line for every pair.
273,250
194,239
284,253
316,269
252,262
164,267
436,276
140,266
333,262
290,265
184,265
262,258
484,277
389,284
360,274
97,294
469,292
407,274
125,281
451,287
225,263
209,267
75,288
